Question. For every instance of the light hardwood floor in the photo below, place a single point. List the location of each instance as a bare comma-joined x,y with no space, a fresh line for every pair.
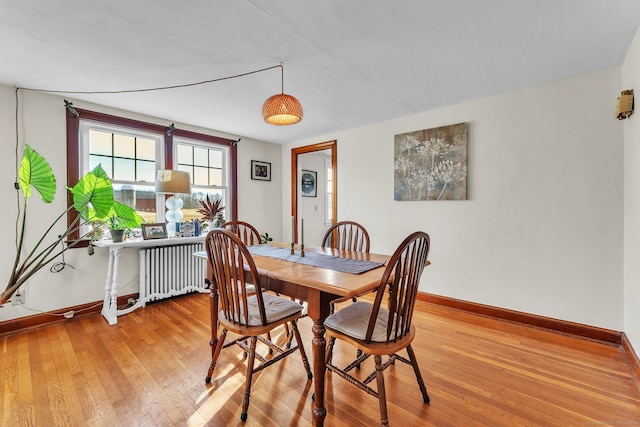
149,370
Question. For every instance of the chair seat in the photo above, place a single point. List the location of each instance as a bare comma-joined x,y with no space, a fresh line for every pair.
354,320
275,308
251,289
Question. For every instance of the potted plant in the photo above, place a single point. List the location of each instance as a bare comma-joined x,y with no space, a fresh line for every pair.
120,219
117,231
212,211
266,238
92,199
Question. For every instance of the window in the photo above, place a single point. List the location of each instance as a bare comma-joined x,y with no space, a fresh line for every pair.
131,153
131,158
328,202
207,167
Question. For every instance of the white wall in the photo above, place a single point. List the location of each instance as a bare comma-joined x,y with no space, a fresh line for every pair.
631,80
542,231
259,202
42,126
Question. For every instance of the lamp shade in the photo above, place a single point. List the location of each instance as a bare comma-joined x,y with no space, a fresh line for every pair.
282,110
173,182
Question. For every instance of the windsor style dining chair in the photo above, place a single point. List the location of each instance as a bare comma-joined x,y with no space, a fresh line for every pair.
351,236
383,327
247,232
251,236
248,315
347,235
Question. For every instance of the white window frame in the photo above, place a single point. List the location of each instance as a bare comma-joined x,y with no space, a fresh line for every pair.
86,126
226,181
328,193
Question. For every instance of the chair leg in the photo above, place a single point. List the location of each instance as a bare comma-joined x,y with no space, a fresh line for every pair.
269,338
247,384
329,354
289,335
416,370
286,330
358,354
215,355
305,361
382,396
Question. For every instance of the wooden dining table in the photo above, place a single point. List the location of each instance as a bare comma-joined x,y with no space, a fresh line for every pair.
317,286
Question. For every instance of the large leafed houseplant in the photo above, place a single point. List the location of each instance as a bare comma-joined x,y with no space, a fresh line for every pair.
92,199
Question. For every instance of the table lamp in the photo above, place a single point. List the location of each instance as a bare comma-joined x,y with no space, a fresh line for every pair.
173,182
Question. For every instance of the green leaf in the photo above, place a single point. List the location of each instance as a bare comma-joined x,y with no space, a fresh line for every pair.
126,216
94,190
120,216
36,172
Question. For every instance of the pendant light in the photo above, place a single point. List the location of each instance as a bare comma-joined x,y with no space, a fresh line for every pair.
282,109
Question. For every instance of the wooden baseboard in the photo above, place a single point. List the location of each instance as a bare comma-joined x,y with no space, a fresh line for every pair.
608,336
562,326
632,358
29,322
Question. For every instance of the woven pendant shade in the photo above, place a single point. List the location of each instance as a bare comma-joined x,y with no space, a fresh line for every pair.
282,110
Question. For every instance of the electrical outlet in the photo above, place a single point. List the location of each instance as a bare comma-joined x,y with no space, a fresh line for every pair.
17,298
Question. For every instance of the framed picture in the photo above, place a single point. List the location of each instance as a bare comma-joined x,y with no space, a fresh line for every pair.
260,170
440,175
154,231
309,183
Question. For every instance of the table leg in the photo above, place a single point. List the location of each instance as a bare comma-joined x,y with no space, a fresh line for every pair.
319,370
110,304
319,306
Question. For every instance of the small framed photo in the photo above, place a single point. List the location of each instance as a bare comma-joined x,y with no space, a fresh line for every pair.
186,228
309,183
260,170
154,231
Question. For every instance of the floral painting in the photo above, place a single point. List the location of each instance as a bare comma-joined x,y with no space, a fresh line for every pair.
431,164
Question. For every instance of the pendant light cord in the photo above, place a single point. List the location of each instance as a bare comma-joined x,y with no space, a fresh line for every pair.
282,74
151,89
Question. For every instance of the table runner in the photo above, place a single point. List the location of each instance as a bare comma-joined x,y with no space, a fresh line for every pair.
331,262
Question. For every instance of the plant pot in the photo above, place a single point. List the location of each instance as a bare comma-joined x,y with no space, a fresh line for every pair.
117,235
218,220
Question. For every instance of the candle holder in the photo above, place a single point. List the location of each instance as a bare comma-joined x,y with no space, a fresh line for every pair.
302,250
292,251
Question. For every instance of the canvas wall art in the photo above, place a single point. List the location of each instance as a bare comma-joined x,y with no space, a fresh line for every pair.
431,164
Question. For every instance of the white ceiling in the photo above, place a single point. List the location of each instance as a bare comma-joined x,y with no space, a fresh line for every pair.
349,62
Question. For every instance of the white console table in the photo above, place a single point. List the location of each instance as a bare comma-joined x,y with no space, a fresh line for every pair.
109,308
